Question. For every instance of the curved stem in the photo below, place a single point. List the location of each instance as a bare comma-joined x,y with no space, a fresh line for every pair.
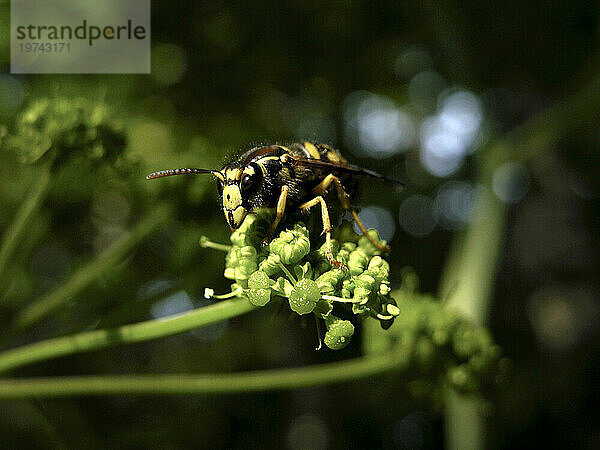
90,272
16,230
127,334
185,384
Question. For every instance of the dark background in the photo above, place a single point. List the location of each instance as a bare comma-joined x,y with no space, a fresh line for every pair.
226,77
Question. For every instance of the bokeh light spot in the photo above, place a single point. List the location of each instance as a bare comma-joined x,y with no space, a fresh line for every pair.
177,303
563,316
418,215
153,287
424,89
412,61
454,201
375,126
447,136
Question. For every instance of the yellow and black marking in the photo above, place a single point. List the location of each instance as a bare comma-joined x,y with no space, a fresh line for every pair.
295,177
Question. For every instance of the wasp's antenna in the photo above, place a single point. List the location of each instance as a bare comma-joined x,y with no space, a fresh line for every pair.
170,172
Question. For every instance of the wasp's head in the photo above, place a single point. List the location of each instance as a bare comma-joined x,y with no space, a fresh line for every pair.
239,184
237,189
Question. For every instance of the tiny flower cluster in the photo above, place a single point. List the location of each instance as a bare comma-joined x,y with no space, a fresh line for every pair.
441,338
289,267
68,126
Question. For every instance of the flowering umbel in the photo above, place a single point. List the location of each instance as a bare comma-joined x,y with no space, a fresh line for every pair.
291,268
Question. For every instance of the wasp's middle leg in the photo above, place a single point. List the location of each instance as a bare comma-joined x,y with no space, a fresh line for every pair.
326,227
280,210
343,197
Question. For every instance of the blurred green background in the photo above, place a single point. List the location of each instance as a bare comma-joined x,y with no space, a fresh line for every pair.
412,89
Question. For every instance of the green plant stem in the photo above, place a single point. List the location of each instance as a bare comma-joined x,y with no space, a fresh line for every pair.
469,291
468,278
90,272
185,384
16,230
127,334
207,243
288,273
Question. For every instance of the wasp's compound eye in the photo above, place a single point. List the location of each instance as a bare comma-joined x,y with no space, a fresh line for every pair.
220,186
247,182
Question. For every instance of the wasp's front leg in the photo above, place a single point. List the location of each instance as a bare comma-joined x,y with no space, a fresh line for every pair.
326,228
278,214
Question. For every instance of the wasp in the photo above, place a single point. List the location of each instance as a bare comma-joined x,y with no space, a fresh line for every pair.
284,177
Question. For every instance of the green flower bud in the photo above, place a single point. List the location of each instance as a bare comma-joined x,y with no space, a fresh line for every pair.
348,287
348,247
259,291
259,297
259,280
338,334
252,230
357,262
343,255
379,267
229,273
384,288
321,263
392,310
270,265
367,246
246,264
304,296
328,282
363,285
361,310
291,245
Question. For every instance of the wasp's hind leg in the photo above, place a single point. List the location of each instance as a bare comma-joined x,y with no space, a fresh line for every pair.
326,227
343,197
279,211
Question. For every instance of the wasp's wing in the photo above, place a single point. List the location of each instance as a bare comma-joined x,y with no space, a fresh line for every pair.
344,168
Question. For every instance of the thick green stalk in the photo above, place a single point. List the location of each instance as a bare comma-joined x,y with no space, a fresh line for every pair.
16,230
90,272
127,334
469,290
185,384
468,280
